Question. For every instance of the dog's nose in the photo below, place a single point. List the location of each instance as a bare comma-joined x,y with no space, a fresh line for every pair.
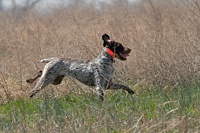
128,50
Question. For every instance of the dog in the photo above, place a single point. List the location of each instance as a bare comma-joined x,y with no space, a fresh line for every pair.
97,72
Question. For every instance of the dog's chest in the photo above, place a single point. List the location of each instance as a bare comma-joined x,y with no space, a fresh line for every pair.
106,70
104,67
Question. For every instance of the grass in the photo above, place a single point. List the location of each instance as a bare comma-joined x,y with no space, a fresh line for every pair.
163,68
170,110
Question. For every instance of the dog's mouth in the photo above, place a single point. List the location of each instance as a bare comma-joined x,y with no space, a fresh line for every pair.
124,54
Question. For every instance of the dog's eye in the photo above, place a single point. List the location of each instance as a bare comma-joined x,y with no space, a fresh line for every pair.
113,44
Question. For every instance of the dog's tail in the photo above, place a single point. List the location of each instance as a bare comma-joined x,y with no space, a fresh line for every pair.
47,60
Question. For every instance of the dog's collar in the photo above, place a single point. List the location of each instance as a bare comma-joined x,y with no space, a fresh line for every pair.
111,53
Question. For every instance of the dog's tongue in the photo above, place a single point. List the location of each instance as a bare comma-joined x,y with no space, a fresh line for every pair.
124,55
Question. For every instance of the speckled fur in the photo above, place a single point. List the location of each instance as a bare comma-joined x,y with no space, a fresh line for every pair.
97,72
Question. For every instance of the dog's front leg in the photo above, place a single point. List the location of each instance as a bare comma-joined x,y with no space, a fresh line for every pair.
99,87
123,87
100,93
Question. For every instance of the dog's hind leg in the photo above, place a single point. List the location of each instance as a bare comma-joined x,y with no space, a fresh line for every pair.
31,80
45,80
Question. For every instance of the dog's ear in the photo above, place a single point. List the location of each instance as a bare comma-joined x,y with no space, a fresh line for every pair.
106,39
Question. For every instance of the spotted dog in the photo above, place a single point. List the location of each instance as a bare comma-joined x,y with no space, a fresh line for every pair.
97,72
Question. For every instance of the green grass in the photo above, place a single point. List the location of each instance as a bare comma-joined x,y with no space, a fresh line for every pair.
169,110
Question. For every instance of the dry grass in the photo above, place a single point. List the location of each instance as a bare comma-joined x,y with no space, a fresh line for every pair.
164,37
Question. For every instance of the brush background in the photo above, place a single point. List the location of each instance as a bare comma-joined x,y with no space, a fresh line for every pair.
163,68
163,35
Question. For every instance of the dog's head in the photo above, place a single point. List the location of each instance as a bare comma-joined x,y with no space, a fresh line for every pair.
117,48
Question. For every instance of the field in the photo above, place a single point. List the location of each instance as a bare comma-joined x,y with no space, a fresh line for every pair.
163,68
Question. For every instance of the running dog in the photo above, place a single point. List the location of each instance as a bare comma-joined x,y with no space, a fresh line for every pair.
97,72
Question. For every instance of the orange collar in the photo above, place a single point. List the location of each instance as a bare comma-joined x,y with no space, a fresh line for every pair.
111,53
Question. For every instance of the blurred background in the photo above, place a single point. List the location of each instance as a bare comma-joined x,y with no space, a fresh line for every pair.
164,36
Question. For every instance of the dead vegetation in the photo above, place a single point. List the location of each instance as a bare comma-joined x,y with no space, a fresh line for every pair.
164,37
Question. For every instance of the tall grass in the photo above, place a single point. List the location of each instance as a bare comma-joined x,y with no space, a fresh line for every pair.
163,68
148,111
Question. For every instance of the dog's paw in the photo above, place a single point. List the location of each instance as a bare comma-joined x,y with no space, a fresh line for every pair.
130,91
29,80
31,95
